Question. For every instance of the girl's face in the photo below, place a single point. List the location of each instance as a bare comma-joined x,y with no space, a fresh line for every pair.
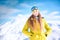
35,12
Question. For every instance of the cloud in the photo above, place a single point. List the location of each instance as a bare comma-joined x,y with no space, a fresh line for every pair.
30,4
37,4
52,16
53,13
25,5
7,14
10,2
6,11
53,21
44,12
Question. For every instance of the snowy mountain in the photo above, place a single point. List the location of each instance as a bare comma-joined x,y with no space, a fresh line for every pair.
12,30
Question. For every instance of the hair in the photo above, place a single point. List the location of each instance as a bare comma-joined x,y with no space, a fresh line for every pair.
31,20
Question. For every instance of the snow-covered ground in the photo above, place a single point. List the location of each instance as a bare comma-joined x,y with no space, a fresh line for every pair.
12,30
55,35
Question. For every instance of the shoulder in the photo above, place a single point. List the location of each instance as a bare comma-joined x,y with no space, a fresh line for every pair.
31,17
44,20
42,17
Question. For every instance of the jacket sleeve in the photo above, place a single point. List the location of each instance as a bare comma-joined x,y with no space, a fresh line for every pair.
25,30
47,27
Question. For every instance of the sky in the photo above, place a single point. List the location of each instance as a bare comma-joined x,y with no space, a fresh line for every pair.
14,14
12,8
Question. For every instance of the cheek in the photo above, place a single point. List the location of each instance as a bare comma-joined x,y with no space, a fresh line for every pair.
36,13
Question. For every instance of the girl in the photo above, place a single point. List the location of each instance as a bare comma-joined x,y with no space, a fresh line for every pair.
39,29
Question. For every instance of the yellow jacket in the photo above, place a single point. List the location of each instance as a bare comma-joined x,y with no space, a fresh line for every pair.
37,35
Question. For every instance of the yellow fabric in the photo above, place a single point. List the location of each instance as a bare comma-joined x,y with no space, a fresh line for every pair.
37,35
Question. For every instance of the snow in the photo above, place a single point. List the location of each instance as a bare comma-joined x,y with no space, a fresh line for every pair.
12,30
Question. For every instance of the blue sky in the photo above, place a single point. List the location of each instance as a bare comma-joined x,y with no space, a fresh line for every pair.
12,8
